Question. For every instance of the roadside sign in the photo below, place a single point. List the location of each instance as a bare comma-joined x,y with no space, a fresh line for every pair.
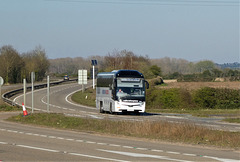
82,76
94,62
1,81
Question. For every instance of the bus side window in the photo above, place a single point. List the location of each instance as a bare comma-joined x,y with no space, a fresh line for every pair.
114,90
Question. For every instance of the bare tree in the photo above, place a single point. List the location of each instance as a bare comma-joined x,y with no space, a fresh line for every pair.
10,64
35,61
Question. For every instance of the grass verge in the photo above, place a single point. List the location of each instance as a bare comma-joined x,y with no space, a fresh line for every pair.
202,112
232,120
87,97
184,133
4,107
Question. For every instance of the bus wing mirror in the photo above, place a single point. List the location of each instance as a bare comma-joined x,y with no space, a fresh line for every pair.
147,84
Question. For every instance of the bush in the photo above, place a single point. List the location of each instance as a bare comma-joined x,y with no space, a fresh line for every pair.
205,97
217,98
178,98
168,98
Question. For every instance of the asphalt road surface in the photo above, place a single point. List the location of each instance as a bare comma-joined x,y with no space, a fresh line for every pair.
30,143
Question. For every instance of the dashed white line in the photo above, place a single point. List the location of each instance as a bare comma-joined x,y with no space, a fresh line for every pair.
157,150
43,135
127,146
37,148
114,145
171,152
52,137
60,138
141,148
90,142
189,154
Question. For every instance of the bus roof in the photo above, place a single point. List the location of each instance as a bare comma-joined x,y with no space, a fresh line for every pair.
123,73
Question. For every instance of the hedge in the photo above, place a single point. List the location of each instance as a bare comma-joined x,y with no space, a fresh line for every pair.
178,98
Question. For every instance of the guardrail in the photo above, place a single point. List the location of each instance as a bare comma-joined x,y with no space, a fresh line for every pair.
6,96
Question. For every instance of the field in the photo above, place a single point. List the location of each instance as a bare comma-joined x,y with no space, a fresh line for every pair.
197,85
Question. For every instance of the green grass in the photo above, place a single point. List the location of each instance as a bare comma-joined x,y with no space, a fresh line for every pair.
232,120
87,97
202,112
5,107
157,130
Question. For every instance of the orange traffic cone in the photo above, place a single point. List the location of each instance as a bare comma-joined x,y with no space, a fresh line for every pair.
24,110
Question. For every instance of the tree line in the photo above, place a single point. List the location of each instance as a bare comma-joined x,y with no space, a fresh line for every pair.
112,61
14,67
168,68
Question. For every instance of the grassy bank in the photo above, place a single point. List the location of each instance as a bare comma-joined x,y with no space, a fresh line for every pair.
184,133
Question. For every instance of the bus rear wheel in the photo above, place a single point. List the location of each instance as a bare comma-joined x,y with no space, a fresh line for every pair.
101,108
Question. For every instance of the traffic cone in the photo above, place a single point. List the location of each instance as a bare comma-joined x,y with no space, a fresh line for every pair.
24,110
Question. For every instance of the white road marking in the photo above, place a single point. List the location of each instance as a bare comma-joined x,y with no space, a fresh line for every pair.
96,117
90,142
114,145
158,150
222,159
66,99
43,135
38,148
143,155
141,148
175,117
170,152
189,154
52,137
97,157
4,143
127,146
60,138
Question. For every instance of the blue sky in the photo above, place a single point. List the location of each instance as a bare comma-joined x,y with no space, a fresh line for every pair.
189,29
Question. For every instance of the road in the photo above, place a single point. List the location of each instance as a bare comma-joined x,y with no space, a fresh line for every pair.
30,143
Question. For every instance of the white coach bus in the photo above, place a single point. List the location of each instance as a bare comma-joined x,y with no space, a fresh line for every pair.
121,91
